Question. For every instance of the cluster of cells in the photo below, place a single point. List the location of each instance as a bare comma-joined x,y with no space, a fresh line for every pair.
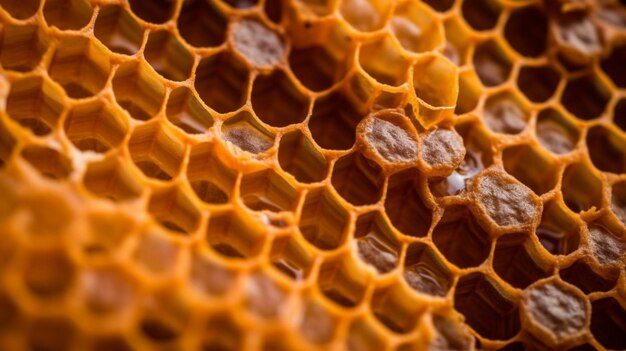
312,174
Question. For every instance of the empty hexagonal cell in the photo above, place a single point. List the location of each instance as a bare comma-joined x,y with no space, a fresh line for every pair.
41,332
35,104
341,282
436,85
460,238
118,30
581,188
357,179
585,97
558,311
267,191
186,111
291,258
158,328
481,14
156,152
613,65
277,101
555,132
112,179
49,162
208,277
222,82
245,132
538,83
323,220
22,47
558,232
486,307
257,43
209,177
517,261
264,297
334,120
298,156
107,290
618,200
405,206
68,14
425,272
365,15
375,243
139,91
174,210
233,236
526,30
416,27
492,64
607,149
516,160
168,56
201,24
577,36
608,323
383,61
396,309
20,9
152,11
606,241
95,126
619,114
583,275
47,273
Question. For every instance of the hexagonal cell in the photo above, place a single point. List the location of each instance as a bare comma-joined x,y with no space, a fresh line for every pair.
526,30
618,200
375,243
558,232
365,15
481,14
416,27
581,188
436,85
396,309
244,131
264,297
517,261
555,132
67,14
35,104
20,9
357,179
608,321
460,238
208,277
266,190
112,179
186,111
211,180
451,335
442,150
486,307
362,336
168,56
607,149
95,126
48,162
577,36
516,160
139,91
323,220
158,325
118,30
334,120
298,156
341,282
492,64
106,290
233,236
22,47
405,206
222,332
202,24
619,114
585,97
388,137
277,101
606,241
505,113
470,91
383,61
256,42
152,11
425,272
108,231
291,258
156,152
222,82
317,324
613,65
583,275
47,273
538,83
174,210
41,332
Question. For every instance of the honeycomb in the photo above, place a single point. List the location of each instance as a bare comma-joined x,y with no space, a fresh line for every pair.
312,174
